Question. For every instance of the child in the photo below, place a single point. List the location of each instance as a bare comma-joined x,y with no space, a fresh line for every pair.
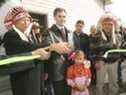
79,75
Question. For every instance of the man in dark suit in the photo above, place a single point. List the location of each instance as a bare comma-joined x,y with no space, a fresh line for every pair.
58,33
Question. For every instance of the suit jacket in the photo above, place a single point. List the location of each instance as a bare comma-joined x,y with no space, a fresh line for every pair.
57,66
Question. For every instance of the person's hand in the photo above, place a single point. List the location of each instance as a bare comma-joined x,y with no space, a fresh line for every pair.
87,64
81,87
44,55
44,76
115,46
98,66
61,48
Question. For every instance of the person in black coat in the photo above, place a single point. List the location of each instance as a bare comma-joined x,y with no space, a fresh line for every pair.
81,39
25,77
107,38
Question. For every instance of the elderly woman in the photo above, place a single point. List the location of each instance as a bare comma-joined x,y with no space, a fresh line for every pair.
25,78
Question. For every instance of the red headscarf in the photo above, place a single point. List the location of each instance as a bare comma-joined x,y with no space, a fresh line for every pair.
14,15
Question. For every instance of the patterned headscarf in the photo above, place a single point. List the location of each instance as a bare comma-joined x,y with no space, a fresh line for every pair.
108,17
14,15
112,19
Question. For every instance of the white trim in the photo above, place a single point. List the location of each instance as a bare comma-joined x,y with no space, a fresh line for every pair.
22,35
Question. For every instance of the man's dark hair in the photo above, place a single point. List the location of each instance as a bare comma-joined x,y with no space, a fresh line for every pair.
80,22
58,10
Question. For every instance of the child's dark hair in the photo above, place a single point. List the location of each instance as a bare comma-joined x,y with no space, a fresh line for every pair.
79,53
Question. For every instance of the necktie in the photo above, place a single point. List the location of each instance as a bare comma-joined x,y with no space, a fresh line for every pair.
63,34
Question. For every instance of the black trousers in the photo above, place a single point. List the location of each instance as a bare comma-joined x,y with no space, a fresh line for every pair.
61,88
26,82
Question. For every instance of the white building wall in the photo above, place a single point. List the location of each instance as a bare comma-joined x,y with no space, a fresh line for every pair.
87,10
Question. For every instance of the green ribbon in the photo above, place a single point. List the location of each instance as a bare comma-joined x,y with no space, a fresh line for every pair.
13,60
18,59
113,51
